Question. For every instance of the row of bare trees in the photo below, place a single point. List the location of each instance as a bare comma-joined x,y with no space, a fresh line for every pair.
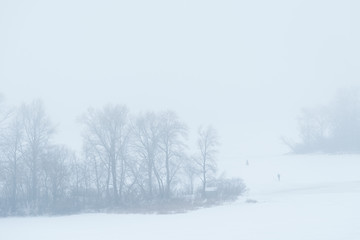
26,158
127,161
145,157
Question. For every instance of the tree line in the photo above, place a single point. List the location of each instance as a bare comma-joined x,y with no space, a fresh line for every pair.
331,128
127,162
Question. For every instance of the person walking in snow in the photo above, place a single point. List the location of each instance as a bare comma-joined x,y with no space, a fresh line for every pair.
278,176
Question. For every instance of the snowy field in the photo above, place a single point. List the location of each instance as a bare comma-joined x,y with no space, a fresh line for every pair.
318,197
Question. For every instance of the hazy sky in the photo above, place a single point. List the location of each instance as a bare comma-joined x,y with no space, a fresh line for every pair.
246,67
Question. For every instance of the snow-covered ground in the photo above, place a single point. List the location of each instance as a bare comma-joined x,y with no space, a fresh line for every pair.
318,197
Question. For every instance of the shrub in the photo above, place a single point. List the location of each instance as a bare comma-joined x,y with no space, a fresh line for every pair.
225,189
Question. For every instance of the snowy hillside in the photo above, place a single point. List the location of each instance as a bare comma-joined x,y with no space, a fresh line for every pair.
317,197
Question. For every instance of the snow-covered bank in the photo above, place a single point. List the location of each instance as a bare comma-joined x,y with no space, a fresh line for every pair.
318,197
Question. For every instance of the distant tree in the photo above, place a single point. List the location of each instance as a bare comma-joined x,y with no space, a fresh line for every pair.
331,128
172,133
207,146
191,172
11,145
37,133
140,162
314,130
146,130
95,172
107,132
77,181
345,121
56,175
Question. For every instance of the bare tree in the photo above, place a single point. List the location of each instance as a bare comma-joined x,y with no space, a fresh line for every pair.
56,174
146,146
107,132
12,149
207,146
99,172
172,134
37,133
76,181
191,171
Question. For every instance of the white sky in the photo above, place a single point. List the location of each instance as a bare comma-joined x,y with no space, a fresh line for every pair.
246,67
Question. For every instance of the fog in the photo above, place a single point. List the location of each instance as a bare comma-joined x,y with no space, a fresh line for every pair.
245,67
175,119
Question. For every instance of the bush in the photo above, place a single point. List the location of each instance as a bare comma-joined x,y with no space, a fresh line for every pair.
225,189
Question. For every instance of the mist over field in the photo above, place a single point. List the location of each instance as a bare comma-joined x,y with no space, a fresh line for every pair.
236,110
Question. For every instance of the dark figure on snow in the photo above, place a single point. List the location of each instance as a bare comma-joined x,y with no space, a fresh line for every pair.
278,176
